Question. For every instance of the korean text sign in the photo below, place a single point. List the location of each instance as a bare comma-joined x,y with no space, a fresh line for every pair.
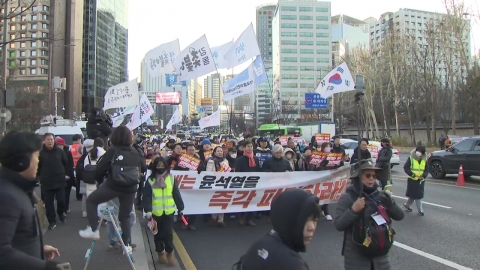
122,95
195,60
216,192
159,60
321,138
334,159
188,162
373,149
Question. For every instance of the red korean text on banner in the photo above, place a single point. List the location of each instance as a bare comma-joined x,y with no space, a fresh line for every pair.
188,162
283,140
334,159
185,181
373,149
225,198
224,167
321,138
208,154
316,157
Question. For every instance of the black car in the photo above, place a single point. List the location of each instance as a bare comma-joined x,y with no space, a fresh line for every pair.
465,153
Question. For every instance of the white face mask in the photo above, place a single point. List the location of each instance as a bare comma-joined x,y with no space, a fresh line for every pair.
328,149
419,154
233,155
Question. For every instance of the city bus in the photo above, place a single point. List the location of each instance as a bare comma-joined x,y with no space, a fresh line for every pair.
274,130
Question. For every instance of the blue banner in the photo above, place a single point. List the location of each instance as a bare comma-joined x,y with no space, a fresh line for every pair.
259,70
262,157
171,79
314,101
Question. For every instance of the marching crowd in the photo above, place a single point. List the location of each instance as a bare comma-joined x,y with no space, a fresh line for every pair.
115,164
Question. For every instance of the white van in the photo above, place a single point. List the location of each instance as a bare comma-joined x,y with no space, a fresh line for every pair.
64,128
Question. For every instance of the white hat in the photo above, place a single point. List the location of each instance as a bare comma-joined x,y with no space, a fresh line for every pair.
88,144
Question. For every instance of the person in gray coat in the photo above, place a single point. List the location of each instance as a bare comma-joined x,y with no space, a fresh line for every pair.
363,198
383,162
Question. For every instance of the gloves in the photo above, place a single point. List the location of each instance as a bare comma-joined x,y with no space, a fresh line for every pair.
148,215
180,213
385,199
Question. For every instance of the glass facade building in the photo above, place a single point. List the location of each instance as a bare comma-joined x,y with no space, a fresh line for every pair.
105,43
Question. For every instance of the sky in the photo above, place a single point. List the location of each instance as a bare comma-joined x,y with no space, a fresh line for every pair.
154,22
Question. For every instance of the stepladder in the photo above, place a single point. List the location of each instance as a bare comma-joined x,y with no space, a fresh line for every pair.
107,211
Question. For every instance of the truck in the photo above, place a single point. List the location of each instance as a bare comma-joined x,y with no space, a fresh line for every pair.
310,130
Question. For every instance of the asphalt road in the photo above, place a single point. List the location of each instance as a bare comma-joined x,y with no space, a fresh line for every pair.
445,238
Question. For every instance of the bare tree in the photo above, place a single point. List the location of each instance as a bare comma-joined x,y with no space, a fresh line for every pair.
14,12
31,105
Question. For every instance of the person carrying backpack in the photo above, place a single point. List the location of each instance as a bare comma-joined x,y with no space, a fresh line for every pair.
364,213
122,167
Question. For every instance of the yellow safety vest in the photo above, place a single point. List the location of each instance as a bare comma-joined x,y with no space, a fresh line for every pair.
162,201
417,167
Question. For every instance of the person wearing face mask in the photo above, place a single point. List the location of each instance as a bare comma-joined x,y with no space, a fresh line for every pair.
277,163
217,163
161,195
416,169
290,157
353,216
364,153
231,157
294,215
303,164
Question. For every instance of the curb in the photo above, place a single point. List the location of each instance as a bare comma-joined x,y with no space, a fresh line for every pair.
408,149
140,253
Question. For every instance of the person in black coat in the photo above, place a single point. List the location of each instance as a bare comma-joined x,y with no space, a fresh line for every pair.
364,153
99,125
294,216
52,171
277,163
21,243
60,143
417,170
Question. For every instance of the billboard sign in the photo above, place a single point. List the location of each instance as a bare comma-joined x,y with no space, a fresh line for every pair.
171,79
314,101
172,98
206,101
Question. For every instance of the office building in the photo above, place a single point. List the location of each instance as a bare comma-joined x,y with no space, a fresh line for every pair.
212,88
347,34
263,93
150,85
105,49
301,31
47,44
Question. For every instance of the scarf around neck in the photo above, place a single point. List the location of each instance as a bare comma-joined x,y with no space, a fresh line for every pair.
217,161
251,160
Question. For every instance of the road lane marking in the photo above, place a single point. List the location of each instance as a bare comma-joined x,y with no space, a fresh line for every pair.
431,257
430,182
434,204
182,253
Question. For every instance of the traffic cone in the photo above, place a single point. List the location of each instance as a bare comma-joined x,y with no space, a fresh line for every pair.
461,178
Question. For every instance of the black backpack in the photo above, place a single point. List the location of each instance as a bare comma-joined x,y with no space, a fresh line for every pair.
88,175
372,239
125,168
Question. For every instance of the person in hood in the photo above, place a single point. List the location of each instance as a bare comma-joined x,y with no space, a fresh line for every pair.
21,240
291,157
383,162
60,142
52,170
262,147
417,170
364,153
362,200
99,125
294,216
277,163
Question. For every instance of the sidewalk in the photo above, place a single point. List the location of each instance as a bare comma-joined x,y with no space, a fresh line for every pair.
72,247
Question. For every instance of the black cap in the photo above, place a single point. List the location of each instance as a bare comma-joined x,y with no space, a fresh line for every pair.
261,139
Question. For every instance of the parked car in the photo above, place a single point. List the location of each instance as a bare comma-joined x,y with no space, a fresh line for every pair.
373,147
347,136
465,152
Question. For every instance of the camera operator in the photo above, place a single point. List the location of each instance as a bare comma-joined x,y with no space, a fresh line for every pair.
99,125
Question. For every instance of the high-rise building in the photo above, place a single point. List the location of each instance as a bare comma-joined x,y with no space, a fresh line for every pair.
347,33
261,103
301,31
212,88
150,85
105,48
47,44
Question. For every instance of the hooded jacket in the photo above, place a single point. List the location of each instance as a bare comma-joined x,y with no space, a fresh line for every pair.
279,249
98,129
274,164
52,168
415,189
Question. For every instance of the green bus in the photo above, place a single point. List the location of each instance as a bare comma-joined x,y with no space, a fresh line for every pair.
275,130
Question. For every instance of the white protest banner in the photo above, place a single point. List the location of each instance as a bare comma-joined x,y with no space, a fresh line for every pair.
120,113
159,60
142,113
121,95
210,121
218,54
176,118
216,192
194,61
242,84
337,81
244,48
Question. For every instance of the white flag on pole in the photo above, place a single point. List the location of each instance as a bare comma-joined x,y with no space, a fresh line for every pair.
176,118
142,113
218,54
159,60
120,113
337,81
244,48
121,95
210,121
245,82
194,61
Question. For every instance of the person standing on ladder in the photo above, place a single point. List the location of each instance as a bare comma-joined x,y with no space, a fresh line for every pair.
161,195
